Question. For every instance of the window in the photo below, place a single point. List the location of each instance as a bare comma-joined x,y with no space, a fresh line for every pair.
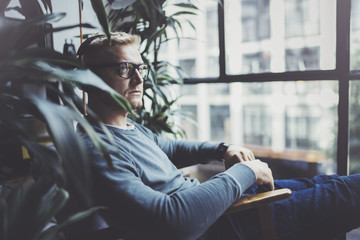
219,89
293,82
255,20
257,88
188,65
256,62
355,15
212,35
188,90
302,127
220,123
257,126
212,68
355,35
302,59
354,127
279,36
189,122
286,94
302,18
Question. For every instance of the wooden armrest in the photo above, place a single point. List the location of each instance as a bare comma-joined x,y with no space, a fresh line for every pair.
259,200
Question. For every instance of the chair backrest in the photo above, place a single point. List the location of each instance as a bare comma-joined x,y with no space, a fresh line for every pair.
95,227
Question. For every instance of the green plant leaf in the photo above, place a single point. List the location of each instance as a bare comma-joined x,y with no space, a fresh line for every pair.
59,29
56,198
30,208
50,233
31,8
47,5
83,79
99,9
3,5
29,57
186,5
68,144
182,13
23,34
149,20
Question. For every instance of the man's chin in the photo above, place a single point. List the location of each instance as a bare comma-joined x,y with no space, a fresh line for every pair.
136,106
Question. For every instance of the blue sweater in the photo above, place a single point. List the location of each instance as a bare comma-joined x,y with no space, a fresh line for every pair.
147,195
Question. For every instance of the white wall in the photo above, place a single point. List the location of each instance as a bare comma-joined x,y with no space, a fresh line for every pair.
71,8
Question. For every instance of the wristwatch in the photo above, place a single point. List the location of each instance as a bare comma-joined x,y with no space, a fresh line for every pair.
221,150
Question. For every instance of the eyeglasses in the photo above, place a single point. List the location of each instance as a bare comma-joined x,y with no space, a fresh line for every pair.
125,69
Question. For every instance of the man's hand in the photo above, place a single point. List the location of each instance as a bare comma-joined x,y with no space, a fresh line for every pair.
262,172
235,154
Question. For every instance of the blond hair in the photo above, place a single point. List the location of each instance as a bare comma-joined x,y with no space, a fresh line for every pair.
121,38
99,44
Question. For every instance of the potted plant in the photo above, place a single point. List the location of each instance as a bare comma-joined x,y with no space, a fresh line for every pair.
156,26
38,108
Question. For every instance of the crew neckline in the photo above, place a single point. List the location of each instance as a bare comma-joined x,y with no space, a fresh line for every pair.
128,126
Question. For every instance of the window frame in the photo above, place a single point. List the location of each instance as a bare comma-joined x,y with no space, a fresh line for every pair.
341,74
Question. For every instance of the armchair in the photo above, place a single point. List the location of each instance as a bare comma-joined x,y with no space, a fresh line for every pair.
260,201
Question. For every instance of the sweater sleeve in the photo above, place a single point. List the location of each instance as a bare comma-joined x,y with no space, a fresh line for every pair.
148,214
183,153
187,153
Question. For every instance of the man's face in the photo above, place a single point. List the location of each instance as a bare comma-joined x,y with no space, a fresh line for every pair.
130,88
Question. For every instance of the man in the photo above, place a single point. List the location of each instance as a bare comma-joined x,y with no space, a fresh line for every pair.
147,196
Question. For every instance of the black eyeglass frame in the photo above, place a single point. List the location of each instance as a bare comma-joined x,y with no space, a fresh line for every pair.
134,66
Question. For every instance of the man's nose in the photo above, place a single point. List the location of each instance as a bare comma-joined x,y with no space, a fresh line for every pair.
137,77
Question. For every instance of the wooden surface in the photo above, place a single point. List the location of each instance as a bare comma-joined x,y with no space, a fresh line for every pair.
256,200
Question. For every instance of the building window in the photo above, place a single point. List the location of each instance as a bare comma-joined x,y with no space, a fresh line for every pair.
255,17
256,62
257,126
355,35
212,69
354,127
257,88
212,34
355,14
302,18
188,66
189,122
302,59
296,36
302,88
301,127
222,89
188,90
220,122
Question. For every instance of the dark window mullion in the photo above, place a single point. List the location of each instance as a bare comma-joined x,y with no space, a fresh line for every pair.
270,77
343,68
221,23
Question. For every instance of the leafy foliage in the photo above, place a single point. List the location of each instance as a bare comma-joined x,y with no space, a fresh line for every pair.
150,20
38,102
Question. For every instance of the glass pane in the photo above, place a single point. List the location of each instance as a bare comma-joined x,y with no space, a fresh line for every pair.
190,123
279,35
354,137
354,127
220,123
292,124
355,35
198,51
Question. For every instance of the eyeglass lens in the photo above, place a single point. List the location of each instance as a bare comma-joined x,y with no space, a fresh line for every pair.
126,70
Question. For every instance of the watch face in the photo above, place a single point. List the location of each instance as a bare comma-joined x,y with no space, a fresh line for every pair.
221,150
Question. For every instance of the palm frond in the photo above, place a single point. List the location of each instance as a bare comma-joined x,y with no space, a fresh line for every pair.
99,9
